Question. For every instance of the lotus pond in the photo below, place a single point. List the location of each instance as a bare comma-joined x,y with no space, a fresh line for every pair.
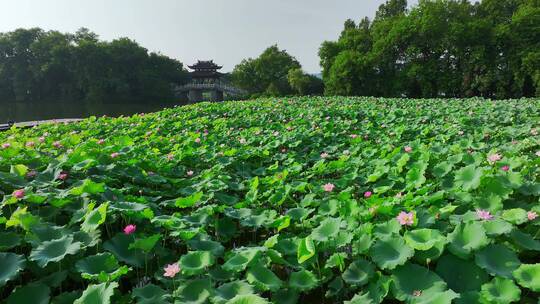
292,200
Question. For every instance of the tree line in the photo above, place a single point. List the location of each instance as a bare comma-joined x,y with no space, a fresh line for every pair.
442,48
46,66
438,48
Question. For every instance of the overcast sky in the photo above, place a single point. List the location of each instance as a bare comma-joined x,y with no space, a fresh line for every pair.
224,30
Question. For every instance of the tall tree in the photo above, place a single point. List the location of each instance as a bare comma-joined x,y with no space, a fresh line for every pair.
266,74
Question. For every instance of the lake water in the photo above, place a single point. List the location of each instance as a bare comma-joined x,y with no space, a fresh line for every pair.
19,111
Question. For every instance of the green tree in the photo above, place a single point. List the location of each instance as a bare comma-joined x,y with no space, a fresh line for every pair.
266,74
304,84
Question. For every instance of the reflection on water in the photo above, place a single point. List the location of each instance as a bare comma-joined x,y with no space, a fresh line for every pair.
25,111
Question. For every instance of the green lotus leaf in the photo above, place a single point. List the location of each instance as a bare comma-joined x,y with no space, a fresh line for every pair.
389,253
263,278
328,229
444,297
500,290
128,207
358,273
196,262
34,293
306,249
498,260
241,259
497,227
87,186
467,238
55,250
207,245
460,275
363,298
97,294
285,296
442,169
9,240
229,290
145,244
525,240
528,276
387,229
20,170
247,299
336,260
11,264
415,178
194,291
151,294
362,244
423,239
303,281
22,218
468,178
55,279
299,214
102,267
118,246
427,256
66,297
190,201
410,278
94,218
515,216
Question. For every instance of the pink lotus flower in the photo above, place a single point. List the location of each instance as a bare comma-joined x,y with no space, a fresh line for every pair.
18,194
57,144
494,157
283,150
537,153
329,187
534,132
276,133
460,132
242,141
405,218
129,229
399,195
171,270
41,139
197,140
115,154
484,215
505,168
101,141
30,144
170,156
353,136
190,173
417,293
324,155
6,145
531,215
408,149
367,194
63,176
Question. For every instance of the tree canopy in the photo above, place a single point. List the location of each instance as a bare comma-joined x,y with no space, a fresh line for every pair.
38,65
445,48
274,73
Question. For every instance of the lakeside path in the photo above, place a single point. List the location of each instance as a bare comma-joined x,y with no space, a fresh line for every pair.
28,124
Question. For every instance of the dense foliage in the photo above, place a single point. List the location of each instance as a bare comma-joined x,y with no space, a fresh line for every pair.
40,66
274,73
449,48
302,200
